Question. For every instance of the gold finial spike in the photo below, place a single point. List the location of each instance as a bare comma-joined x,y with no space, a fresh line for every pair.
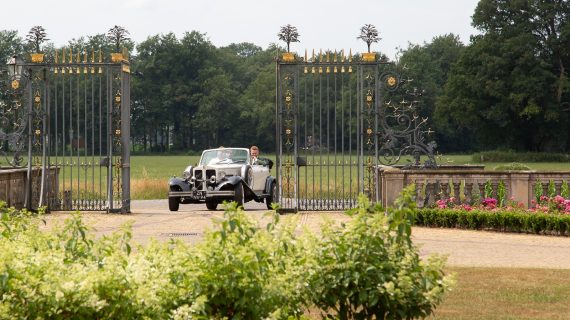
306,70
349,69
306,58
313,58
342,69
78,60
350,56
328,69
63,60
312,69
56,61
85,60
328,56
100,61
320,55
320,69
342,59
70,55
335,69
334,57
92,59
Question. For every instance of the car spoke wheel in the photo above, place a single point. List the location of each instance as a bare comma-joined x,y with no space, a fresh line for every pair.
173,203
238,196
272,196
211,204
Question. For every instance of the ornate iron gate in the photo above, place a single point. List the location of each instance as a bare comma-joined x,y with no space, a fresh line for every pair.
338,120
72,117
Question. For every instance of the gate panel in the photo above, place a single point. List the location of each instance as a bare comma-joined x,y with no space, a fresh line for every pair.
326,132
78,133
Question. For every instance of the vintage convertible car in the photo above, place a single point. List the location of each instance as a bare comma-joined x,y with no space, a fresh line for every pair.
224,174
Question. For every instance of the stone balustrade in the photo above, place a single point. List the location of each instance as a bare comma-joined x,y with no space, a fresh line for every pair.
466,185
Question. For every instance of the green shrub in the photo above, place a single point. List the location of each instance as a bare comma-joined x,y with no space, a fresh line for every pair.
241,271
370,268
513,166
506,220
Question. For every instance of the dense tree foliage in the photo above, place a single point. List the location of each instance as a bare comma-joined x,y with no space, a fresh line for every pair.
507,89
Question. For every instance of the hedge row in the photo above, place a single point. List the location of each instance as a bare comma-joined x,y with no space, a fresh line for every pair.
511,156
506,221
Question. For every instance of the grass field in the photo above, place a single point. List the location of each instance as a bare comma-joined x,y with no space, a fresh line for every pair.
504,293
150,174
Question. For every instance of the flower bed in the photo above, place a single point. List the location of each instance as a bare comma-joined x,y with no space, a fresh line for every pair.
548,215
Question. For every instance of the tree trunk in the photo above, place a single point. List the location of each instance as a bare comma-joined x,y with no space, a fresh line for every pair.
560,81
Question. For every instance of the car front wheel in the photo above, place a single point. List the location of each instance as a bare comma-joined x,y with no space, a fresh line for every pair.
272,196
238,197
173,203
211,204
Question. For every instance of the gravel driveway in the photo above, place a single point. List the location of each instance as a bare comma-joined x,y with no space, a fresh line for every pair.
151,219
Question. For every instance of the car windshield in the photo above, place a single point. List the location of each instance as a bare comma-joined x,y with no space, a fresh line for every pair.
224,156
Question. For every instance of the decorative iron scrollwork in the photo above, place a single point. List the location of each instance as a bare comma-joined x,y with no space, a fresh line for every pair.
402,131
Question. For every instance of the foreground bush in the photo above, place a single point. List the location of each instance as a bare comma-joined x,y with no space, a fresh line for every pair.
369,268
366,268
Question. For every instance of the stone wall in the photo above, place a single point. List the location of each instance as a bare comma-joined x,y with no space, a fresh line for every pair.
464,185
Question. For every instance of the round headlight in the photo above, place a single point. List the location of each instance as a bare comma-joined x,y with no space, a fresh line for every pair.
187,172
213,179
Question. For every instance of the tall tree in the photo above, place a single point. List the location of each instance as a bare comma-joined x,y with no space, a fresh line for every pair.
511,82
10,44
428,66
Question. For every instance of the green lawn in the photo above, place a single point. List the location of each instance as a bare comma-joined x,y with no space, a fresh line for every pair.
150,174
505,293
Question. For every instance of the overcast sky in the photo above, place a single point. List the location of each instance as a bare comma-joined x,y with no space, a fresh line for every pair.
332,24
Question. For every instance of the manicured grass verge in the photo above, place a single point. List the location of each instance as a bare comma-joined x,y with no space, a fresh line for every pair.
506,221
506,293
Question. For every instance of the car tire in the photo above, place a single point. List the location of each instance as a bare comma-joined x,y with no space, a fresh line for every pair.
238,196
248,179
211,204
173,203
269,201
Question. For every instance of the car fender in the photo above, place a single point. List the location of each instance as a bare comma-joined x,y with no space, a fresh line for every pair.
233,181
178,182
268,183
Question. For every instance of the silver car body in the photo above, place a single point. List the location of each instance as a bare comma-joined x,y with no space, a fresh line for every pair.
224,174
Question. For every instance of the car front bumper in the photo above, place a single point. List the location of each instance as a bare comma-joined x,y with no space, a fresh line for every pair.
202,195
